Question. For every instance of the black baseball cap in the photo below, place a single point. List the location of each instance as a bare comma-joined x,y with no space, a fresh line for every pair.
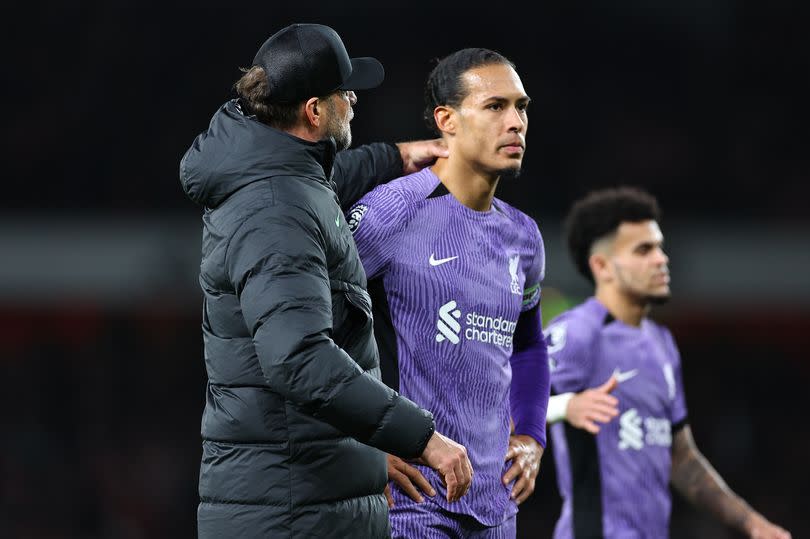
310,60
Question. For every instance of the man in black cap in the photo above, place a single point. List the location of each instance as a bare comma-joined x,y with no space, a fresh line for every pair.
296,420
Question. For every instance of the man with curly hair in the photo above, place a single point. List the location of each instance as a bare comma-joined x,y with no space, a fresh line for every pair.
615,479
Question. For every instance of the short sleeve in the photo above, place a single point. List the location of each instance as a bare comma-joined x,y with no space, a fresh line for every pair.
375,221
535,272
569,355
674,377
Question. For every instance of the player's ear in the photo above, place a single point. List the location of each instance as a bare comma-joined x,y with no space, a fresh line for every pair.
445,118
600,268
312,112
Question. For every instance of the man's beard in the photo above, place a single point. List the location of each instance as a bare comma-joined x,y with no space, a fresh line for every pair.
343,137
657,299
339,130
648,300
510,173
640,298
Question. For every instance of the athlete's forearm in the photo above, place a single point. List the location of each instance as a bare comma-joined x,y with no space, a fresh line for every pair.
695,478
529,391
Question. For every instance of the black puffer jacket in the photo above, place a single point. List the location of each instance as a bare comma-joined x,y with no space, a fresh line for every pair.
294,405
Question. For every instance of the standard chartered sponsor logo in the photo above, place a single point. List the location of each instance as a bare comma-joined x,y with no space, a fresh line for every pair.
658,431
630,433
635,431
447,323
495,330
490,330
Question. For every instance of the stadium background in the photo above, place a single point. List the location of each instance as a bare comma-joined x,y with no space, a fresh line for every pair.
703,103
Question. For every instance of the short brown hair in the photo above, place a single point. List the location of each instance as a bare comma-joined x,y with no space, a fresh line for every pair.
252,89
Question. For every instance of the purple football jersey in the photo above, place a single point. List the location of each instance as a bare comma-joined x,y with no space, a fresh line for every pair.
616,484
449,284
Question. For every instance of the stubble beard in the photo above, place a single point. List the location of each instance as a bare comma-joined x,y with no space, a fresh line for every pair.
509,173
647,300
343,137
342,134
339,129
657,299
644,299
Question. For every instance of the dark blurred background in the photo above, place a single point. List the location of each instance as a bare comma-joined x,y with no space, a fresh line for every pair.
703,103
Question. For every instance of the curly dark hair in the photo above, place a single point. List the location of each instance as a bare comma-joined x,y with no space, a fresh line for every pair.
252,89
445,86
599,214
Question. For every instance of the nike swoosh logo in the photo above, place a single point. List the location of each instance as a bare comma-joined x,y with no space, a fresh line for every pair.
624,376
434,262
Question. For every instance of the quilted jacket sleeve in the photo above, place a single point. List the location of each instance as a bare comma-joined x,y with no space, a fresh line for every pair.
358,171
277,263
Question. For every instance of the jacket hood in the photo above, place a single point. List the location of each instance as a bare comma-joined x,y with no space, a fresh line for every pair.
237,150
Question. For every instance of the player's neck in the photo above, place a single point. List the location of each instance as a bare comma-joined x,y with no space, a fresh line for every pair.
621,307
306,131
473,189
303,134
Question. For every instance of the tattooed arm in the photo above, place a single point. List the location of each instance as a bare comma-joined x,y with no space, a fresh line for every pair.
699,482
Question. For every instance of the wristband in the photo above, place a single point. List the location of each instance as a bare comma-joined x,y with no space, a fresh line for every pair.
557,405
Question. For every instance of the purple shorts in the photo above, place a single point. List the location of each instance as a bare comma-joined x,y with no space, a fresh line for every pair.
426,520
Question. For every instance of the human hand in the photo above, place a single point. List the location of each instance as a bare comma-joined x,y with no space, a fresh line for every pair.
525,454
418,154
408,478
759,527
451,461
594,405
